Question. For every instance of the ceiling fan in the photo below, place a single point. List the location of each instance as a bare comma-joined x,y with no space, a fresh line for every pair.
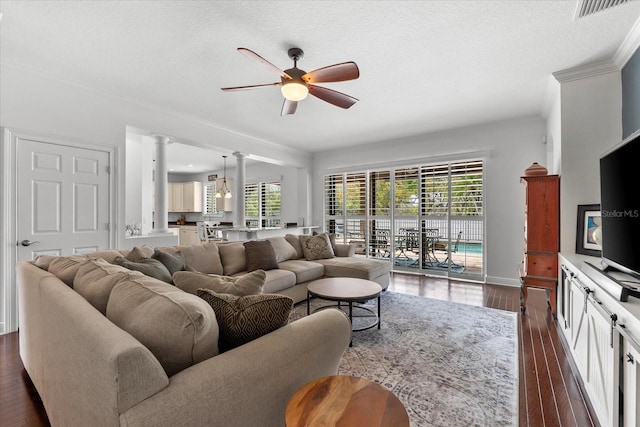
296,83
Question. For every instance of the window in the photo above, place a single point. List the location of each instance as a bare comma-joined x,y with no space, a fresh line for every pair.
425,217
210,207
263,204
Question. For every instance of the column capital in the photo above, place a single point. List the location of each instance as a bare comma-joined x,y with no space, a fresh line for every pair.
239,155
161,139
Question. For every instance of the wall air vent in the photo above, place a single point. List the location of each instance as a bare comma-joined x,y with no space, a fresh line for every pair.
589,7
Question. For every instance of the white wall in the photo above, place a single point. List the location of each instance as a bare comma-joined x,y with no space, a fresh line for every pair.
513,145
591,116
40,104
139,181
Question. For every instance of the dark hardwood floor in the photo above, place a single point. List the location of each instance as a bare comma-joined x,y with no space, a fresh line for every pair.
549,392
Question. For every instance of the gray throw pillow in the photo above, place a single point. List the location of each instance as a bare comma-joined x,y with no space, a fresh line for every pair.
247,284
147,266
260,255
243,319
174,262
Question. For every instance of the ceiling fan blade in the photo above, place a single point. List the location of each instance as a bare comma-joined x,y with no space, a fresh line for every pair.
336,98
252,55
288,107
333,73
230,89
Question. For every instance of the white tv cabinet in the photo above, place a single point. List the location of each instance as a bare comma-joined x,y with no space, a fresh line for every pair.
603,335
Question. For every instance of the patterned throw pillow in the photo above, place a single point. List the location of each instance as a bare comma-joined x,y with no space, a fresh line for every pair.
243,319
260,255
316,247
247,284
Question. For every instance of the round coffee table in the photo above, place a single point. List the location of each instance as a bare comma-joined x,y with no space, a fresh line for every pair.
346,401
349,290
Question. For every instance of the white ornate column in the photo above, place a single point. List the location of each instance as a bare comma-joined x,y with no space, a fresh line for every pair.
240,216
161,215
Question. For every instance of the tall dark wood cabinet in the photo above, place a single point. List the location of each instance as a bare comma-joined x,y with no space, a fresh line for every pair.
541,237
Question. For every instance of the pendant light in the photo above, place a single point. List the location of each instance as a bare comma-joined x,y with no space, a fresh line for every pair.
224,191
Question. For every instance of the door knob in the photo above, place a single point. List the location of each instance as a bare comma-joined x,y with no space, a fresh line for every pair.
27,243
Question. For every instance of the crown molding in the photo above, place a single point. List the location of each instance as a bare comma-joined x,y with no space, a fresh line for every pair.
585,71
629,46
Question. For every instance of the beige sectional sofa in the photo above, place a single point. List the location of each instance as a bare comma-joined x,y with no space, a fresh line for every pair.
84,321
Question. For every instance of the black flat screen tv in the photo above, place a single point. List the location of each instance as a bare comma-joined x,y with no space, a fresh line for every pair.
620,205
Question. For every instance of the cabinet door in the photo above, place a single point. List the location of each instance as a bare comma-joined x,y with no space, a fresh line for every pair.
169,197
603,362
192,197
631,385
177,197
578,326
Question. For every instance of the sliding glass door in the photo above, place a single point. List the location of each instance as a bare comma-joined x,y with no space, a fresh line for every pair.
423,218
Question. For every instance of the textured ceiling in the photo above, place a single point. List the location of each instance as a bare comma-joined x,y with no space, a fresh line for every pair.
425,65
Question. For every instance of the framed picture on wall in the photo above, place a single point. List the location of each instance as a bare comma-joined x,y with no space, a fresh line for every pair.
589,231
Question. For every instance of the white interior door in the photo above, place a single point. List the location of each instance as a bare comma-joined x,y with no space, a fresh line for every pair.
62,199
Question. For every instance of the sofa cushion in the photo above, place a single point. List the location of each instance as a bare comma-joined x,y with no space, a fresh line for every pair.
283,249
278,280
147,266
65,268
180,329
172,261
233,258
295,242
204,258
43,261
248,284
95,280
139,253
260,255
361,268
108,255
316,247
243,319
304,270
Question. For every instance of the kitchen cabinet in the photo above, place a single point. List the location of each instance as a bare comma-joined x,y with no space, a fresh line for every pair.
188,235
185,196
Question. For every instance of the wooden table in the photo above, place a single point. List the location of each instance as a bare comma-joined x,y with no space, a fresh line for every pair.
349,290
345,401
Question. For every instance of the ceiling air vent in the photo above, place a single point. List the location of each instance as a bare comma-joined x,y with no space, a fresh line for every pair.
589,7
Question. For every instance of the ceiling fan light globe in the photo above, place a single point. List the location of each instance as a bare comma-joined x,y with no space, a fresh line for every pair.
295,91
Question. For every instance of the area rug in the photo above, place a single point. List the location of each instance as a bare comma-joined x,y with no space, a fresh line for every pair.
450,364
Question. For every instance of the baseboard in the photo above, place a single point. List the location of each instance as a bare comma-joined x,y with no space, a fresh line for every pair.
504,281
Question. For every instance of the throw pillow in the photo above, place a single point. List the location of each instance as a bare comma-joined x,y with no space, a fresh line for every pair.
260,255
243,319
233,258
139,252
316,247
147,266
295,242
284,250
247,284
174,262
332,240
